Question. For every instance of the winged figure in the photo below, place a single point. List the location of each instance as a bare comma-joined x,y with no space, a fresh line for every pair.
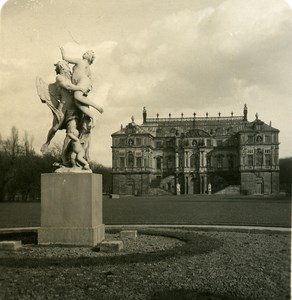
50,94
66,115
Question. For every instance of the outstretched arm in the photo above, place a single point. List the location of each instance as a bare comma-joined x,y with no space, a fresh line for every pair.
69,59
66,84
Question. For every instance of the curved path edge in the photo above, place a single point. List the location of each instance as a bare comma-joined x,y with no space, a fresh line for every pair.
202,227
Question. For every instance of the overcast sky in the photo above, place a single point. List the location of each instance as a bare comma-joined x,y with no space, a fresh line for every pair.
171,56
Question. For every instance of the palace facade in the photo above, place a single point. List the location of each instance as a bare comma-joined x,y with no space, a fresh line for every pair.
196,155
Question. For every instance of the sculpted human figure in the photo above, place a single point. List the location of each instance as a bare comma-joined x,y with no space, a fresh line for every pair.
78,153
60,99
82,77
65,108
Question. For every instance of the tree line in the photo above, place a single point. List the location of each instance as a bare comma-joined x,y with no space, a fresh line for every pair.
286,174
21,168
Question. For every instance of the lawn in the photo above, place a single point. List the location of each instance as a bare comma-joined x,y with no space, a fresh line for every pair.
185,209
179,264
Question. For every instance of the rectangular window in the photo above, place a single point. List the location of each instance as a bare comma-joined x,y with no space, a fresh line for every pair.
139,162
268,159
268,139
208,162
122,162
187,160
138,141
170,162
219,162
122,142
274,138
230,162
209,144
180,161
250,139
250,160
114,162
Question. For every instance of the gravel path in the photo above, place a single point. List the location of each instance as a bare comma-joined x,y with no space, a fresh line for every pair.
221,265
143,244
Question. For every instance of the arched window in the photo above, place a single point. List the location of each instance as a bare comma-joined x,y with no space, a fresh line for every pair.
195,161
219,161
170,162
158,163
192,161
231,162
259,157
130,160
209,161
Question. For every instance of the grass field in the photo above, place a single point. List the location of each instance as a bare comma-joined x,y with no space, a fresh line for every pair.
185,209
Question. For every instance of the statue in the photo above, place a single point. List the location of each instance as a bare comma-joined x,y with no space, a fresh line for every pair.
82,77
67,99
77,147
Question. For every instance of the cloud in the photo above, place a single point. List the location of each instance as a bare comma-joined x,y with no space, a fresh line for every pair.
207,60
211,59
201,57
13,74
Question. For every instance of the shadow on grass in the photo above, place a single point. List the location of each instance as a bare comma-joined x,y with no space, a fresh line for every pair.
195,244
183,294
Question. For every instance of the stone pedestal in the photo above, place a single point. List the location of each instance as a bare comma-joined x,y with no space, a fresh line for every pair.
129,235
71,209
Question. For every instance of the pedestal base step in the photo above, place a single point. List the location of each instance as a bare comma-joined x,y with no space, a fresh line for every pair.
111,246
128,235
10,245
81,236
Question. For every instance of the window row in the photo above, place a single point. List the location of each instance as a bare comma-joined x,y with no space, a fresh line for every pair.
131,162
259,159
251,139
137,141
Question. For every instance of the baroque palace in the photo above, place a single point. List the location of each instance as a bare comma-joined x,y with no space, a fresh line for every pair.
196,155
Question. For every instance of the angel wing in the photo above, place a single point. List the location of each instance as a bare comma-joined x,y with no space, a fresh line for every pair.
49,94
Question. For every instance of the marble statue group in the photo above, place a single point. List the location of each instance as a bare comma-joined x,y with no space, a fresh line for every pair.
69,102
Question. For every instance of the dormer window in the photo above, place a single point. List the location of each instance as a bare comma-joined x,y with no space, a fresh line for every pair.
258,127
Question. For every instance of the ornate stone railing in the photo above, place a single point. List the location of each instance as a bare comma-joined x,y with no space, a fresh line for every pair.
188,119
